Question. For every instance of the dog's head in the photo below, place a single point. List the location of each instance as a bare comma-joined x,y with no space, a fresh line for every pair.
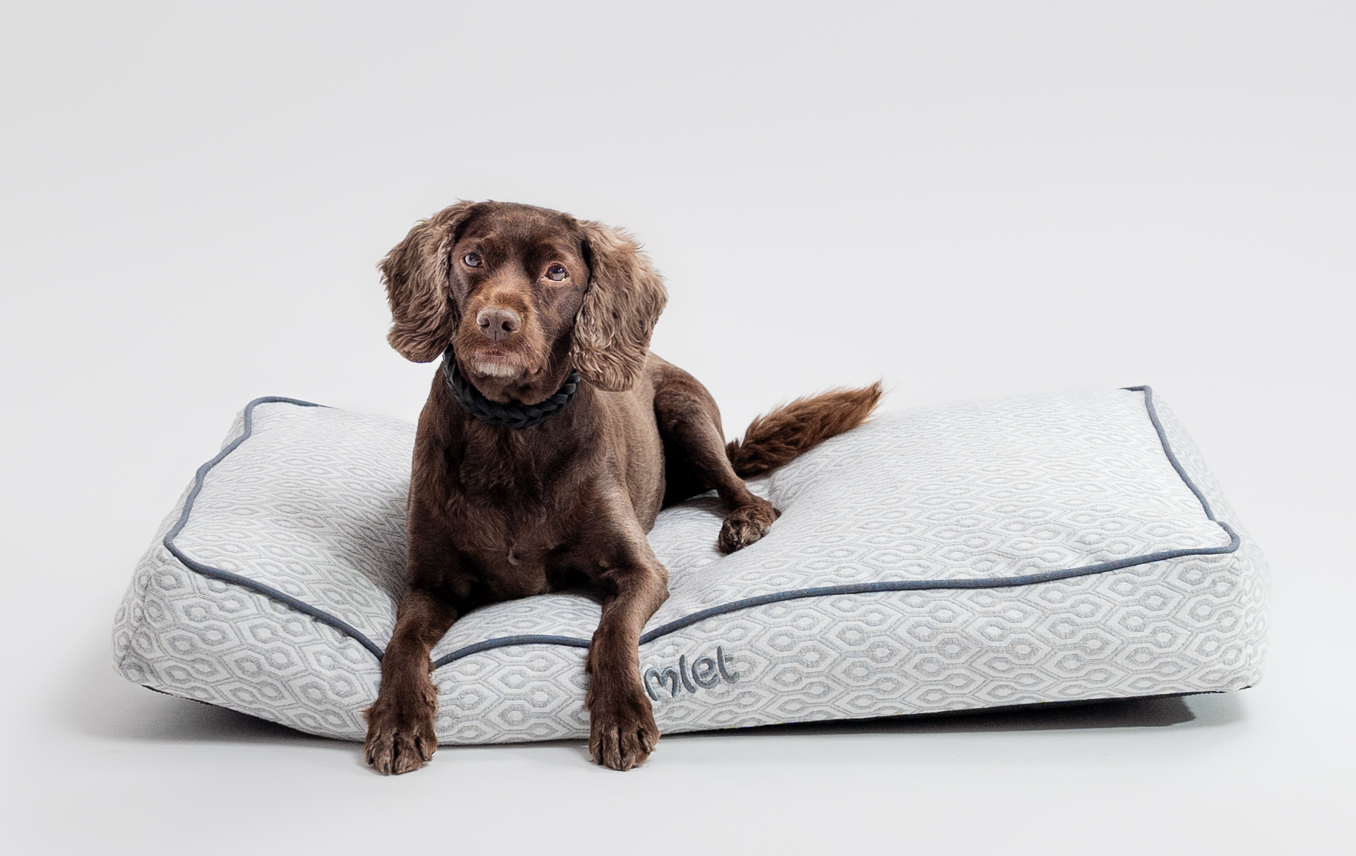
523,295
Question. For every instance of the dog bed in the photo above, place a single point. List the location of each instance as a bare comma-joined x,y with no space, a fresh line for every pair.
981,554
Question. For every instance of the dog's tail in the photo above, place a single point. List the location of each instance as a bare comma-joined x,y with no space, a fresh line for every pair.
777,438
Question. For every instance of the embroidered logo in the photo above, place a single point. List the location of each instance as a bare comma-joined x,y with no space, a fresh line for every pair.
704,672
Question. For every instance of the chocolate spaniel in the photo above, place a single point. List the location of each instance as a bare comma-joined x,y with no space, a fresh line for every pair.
550,440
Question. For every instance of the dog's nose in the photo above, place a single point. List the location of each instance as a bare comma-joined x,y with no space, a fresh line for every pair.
498,323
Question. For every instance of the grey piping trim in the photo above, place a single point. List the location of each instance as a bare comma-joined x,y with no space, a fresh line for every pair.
245,582
921,585
701,615
858,588
506,641
1167,450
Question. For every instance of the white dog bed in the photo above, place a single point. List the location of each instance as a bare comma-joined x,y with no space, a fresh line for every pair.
971,555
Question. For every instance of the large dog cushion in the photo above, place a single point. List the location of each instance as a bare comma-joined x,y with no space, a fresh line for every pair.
971,555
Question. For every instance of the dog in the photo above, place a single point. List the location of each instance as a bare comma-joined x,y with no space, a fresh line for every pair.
549,443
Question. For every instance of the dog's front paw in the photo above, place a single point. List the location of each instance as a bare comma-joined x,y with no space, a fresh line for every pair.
400,738
622,733
746,524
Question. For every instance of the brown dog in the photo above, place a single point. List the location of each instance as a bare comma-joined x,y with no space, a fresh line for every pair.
549,443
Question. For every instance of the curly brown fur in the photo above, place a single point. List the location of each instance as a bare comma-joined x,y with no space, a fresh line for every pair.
524,296
775,439
416,286
612,331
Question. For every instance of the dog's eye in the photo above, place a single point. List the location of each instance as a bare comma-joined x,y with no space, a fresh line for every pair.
471,259
556,273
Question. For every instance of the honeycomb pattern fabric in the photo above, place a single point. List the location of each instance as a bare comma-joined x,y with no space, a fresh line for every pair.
962,556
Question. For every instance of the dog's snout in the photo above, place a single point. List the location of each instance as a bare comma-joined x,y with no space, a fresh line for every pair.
498,323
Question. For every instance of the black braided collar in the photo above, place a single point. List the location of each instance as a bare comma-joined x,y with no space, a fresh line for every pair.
504,415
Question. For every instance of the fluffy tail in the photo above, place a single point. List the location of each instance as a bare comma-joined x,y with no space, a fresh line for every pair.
777,438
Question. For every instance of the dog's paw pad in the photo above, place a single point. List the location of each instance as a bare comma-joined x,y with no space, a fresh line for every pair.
622,736
398,745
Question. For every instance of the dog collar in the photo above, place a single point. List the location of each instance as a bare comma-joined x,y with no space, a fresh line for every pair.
504,415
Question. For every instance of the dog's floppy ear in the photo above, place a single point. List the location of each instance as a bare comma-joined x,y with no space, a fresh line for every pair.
623,302
416,275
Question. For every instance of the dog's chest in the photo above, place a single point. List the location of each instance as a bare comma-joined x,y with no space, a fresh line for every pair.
513,514
514,554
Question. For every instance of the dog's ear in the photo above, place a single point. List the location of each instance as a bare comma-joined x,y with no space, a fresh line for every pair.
417,283
623,302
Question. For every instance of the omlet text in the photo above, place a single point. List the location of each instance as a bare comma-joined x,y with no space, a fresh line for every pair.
704,672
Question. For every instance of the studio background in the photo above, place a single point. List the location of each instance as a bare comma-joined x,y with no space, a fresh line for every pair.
967,200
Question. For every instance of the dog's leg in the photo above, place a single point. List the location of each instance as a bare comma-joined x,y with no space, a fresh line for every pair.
400,734
696,461
622,731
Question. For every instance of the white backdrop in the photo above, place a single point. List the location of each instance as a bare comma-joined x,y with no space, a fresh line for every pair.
965,199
